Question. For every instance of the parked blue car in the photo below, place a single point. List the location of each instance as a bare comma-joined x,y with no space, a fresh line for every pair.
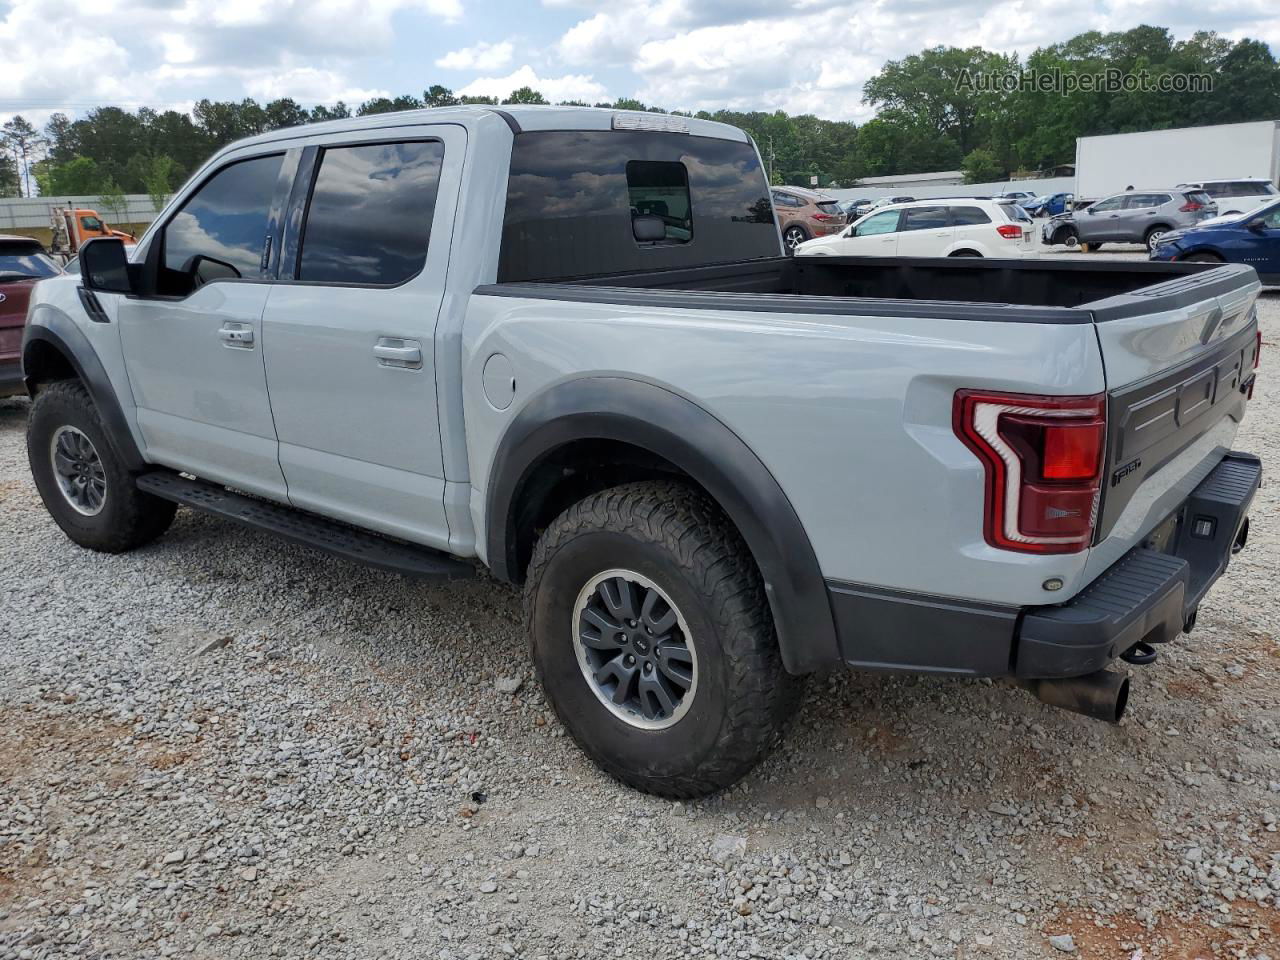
1049,205
1252,238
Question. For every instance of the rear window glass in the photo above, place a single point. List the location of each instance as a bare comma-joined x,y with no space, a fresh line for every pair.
968,216
657,188
1200,197
1014,212
924,218
369,219
569,204
24,261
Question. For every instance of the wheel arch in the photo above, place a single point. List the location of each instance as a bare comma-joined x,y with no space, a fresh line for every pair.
54,350
671,432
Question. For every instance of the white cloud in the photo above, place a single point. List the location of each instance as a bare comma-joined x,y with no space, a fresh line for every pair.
814,55
308,85
567,87
482,56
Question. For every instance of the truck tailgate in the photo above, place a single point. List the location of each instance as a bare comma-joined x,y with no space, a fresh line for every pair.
1179,359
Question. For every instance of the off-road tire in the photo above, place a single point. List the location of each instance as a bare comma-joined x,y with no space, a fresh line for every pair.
128,517
681,541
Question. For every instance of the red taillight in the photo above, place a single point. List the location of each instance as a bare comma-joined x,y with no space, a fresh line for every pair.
1010,231
822,217
1191,207
1043,462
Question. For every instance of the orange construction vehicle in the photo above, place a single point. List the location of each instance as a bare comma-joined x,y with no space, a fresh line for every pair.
72,226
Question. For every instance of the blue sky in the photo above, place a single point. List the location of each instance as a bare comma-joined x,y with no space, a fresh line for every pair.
797,55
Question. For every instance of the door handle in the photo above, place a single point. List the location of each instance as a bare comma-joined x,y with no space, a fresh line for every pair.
237,335
395,352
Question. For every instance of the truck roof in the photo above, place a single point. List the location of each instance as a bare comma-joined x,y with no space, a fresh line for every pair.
519,117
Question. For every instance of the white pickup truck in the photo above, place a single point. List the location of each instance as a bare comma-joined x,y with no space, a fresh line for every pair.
565,344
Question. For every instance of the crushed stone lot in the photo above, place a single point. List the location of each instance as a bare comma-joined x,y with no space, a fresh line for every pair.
225,746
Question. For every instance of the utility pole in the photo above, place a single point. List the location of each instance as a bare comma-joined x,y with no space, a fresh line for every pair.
772,159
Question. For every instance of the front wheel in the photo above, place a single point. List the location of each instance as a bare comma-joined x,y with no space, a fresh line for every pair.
652,636
1203,257
86,489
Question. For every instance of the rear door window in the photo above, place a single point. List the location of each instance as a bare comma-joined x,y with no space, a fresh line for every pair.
923,218
369,218
1013,211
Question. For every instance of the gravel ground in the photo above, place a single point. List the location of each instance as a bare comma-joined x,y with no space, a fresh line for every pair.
225,746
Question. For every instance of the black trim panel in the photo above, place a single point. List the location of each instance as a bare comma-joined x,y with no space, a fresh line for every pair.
668,425
897,631
61,334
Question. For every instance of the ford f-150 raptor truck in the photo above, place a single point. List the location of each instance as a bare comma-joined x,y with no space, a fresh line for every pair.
565,344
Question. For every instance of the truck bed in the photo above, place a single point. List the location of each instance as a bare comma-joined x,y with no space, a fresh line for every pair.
1036,291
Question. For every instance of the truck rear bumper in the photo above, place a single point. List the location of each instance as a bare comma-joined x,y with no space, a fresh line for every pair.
1148,596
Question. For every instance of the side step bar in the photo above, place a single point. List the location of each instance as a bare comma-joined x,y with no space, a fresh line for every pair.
304,528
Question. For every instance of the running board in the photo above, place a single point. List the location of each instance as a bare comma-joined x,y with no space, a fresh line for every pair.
304,528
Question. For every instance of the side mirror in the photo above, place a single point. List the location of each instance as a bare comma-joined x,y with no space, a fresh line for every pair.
1257,226
648,229
104,266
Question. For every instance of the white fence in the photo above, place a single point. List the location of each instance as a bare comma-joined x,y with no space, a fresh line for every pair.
1038,187
34,212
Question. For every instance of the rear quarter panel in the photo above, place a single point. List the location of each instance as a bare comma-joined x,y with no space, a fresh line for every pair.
852,415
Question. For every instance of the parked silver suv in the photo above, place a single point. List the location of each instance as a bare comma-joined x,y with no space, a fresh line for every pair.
1142,216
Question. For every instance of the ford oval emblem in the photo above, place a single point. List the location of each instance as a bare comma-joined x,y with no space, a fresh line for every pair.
3,298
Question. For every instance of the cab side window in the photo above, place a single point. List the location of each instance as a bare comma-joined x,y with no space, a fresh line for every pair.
886,222
968,216
369,218
220,232
924,218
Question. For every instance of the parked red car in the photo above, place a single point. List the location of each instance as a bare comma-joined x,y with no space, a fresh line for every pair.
22,262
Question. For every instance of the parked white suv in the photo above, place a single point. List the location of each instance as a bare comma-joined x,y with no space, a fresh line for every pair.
1237,196
959,227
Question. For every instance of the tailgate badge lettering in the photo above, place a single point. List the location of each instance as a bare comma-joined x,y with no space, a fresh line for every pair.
1124,471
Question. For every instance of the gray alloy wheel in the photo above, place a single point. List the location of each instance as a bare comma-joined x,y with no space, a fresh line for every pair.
1153,237
78,470
793,237
634,651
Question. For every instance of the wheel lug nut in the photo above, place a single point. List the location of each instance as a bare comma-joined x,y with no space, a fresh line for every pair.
630,661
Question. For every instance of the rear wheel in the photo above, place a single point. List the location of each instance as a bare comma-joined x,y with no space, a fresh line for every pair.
83,484
966,253
793,236
1152,236
652,636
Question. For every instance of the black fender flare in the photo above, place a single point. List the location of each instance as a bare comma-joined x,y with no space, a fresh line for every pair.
60,333
678,430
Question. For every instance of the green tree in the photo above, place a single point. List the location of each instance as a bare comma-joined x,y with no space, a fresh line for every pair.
158,179
79,176
438,96
8,176
25,145
525,95
113,202
937,90
981,166
387,105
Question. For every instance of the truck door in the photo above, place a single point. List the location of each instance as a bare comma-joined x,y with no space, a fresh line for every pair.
349,329
193,351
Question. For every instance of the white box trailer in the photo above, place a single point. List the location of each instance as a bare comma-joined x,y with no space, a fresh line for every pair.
1165,158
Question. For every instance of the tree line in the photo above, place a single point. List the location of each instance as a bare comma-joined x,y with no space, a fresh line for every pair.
934,111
